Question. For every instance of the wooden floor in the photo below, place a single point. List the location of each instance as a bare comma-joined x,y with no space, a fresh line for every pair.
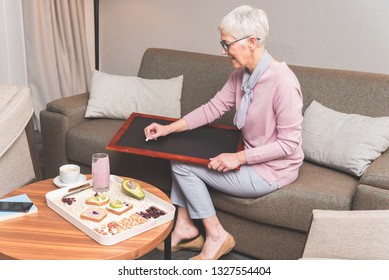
185,254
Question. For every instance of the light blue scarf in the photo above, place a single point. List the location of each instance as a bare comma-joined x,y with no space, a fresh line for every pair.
248,84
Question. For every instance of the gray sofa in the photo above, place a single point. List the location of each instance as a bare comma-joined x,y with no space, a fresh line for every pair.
274,226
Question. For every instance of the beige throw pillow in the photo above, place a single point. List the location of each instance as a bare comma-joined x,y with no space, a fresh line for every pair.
351,235
347,142
116,97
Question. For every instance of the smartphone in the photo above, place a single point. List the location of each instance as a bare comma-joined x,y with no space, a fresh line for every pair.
11,206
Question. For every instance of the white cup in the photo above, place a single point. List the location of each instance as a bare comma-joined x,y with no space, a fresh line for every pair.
69,173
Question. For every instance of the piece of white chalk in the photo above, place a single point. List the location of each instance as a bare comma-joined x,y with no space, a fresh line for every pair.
147,139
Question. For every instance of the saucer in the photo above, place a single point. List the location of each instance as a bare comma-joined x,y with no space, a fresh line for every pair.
57,181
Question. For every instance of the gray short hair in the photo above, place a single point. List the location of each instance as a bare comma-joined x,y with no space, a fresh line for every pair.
246,21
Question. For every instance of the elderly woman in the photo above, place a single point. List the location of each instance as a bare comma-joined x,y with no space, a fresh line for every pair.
268,104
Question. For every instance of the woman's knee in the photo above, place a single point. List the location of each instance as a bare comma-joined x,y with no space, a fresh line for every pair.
179,167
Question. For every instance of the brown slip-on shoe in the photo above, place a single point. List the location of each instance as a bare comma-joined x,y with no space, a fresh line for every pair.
195,243
227,246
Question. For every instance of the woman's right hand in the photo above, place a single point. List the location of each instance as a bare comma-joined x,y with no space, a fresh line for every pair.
155,130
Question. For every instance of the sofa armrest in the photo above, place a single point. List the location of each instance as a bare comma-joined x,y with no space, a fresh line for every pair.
60,116
72,106
377,174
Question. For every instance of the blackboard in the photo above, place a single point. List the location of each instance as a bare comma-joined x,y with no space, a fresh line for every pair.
196,146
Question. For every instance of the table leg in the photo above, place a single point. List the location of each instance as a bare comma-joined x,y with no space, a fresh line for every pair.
167,253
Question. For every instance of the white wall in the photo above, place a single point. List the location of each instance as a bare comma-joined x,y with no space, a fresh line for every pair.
347,34
12,51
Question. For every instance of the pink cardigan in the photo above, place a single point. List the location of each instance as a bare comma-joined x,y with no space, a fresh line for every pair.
272,133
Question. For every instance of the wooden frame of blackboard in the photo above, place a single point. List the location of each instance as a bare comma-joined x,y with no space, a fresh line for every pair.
193,146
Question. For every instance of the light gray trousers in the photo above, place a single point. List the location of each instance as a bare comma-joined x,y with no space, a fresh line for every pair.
189,188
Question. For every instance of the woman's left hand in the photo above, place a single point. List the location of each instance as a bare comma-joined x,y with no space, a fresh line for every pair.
227,161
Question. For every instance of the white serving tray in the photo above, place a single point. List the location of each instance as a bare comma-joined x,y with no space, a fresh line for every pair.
72,212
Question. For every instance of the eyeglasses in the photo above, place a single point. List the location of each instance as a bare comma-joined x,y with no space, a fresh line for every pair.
226,46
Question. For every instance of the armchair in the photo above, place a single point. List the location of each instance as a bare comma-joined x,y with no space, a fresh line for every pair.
19,162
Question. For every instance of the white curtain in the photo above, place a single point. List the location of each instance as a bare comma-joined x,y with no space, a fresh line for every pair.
56,50
12,52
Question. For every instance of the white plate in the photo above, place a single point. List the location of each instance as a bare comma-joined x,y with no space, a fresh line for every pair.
57,181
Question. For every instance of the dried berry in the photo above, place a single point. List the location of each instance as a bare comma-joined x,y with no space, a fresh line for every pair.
152,212
68,200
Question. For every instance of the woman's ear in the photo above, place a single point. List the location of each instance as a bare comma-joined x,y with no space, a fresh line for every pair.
253,42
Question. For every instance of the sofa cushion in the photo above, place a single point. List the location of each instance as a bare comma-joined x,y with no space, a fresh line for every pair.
116,97
316,187
347,142
371,198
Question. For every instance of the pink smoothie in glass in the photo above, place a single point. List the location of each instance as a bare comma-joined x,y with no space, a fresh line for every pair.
100,172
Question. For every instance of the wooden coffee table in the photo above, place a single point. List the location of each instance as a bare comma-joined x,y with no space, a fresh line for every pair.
47,236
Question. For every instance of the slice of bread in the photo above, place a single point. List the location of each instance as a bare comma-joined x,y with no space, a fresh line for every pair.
94,214
118,211
98,200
